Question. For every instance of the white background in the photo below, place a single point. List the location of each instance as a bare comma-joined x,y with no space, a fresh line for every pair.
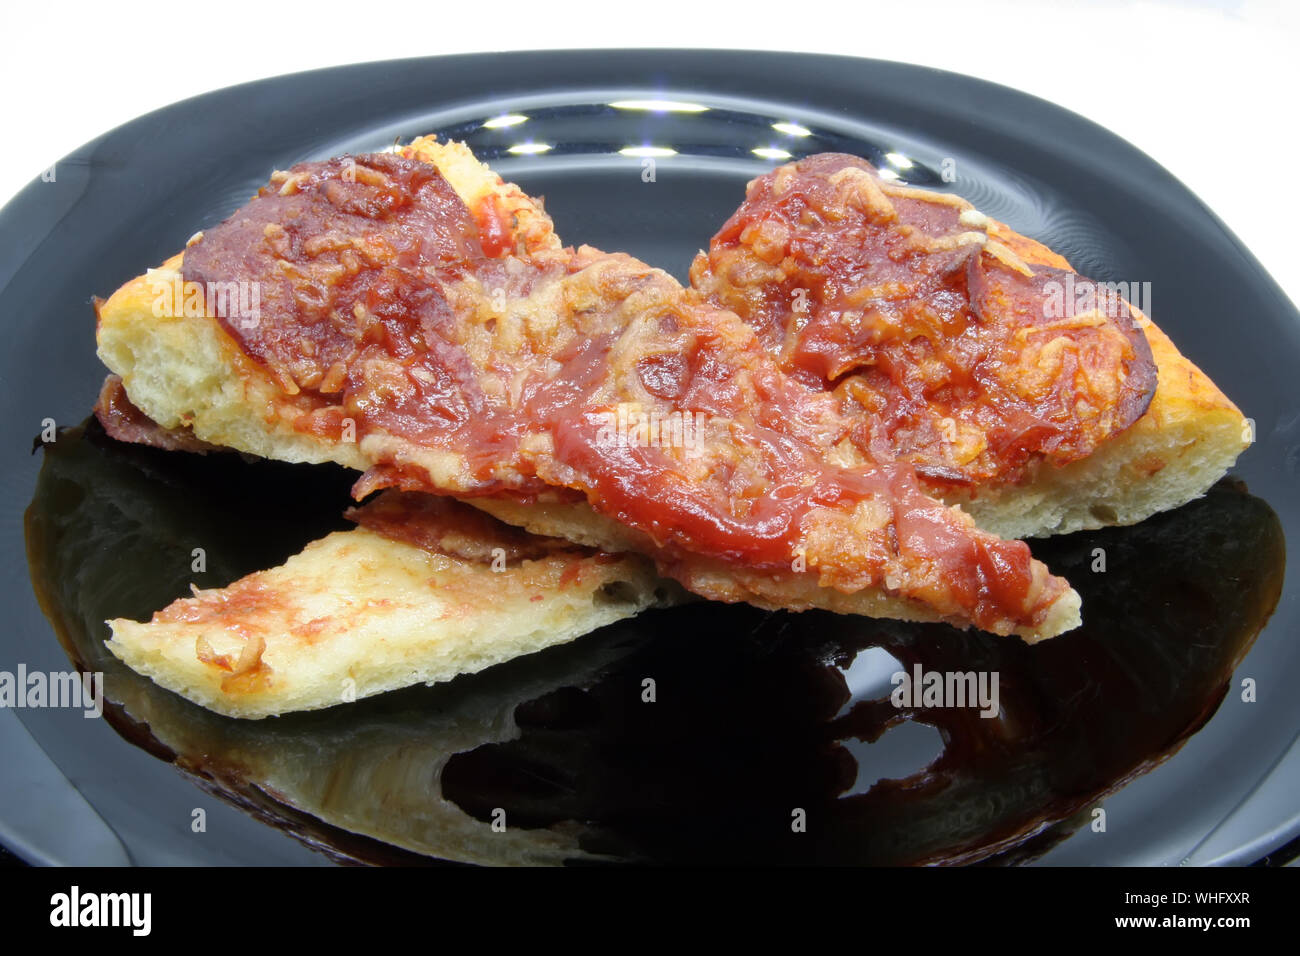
1206,87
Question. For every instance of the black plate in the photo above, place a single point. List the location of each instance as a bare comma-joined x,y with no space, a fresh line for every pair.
770,712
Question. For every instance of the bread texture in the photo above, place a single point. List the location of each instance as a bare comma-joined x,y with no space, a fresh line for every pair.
357,613
186,372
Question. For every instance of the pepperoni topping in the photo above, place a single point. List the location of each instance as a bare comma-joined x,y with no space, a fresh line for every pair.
944,346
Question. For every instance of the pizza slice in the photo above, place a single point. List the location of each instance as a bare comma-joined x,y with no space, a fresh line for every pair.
1039,400
415,318
423,590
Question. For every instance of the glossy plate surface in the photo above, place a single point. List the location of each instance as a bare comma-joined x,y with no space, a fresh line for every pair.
756,715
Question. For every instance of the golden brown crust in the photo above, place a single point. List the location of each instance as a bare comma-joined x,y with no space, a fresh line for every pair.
1189,436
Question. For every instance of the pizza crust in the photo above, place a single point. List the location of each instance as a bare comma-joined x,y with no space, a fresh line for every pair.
1188,438
357,614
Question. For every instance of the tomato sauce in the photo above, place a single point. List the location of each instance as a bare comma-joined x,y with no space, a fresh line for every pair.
944,353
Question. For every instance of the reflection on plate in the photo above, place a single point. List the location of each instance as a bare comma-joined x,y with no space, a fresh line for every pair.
759,721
